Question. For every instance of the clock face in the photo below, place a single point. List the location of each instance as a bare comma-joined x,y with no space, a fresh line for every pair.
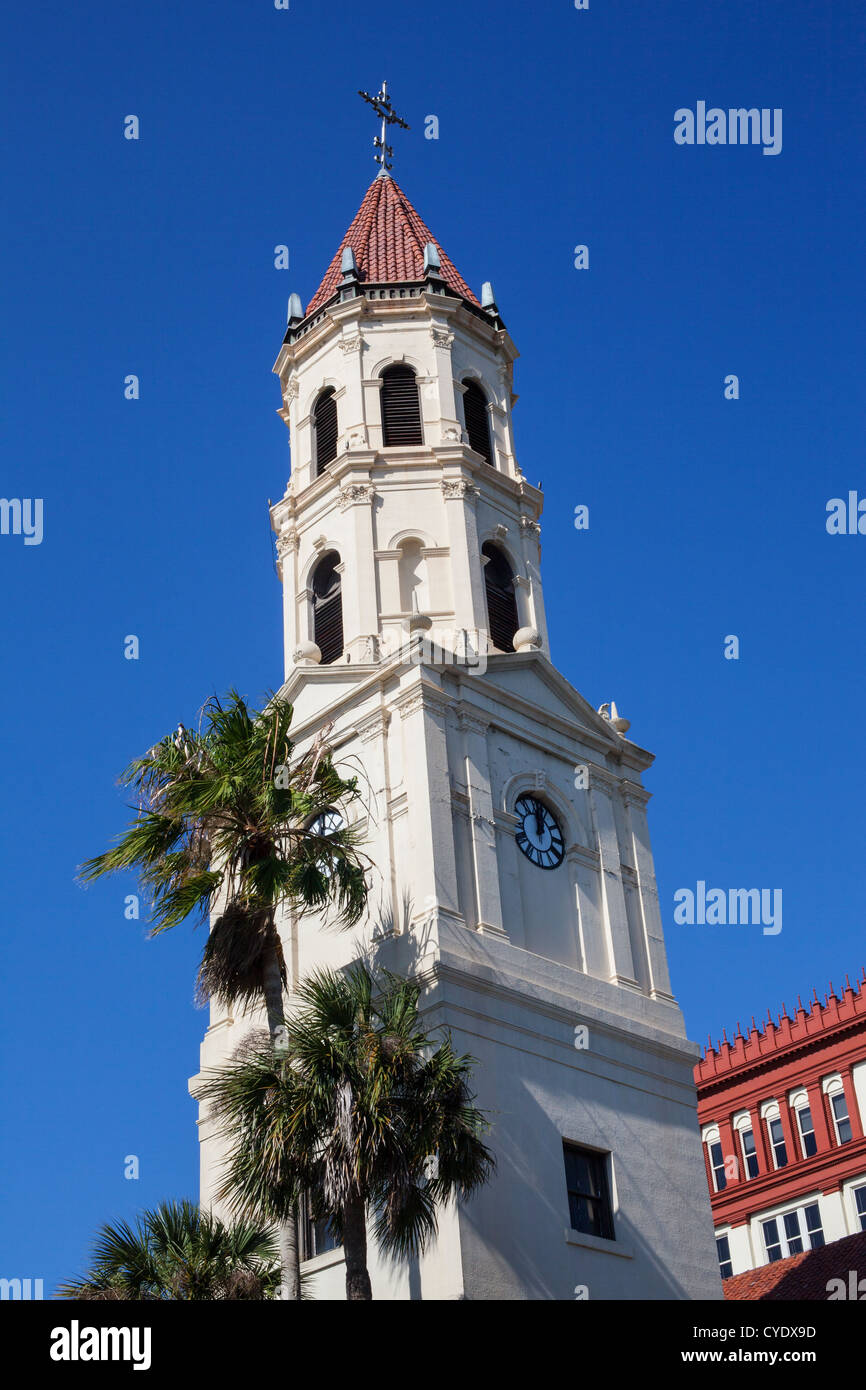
325,824
538,834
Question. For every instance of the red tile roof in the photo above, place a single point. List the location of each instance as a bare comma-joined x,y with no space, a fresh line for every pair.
388,239
802,1277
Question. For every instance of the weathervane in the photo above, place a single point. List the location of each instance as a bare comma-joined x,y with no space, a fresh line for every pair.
381,104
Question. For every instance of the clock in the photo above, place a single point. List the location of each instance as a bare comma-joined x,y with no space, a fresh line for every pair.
538,834
326,823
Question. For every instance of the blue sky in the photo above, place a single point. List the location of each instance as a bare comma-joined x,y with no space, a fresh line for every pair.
707,516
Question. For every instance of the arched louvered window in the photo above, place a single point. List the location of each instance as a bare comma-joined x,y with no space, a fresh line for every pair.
401,407
328,608
477,420
325,427
501,600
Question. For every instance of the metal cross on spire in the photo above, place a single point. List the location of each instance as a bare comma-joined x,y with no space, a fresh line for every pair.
381,104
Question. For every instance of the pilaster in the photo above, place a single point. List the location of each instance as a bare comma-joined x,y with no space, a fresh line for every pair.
602,789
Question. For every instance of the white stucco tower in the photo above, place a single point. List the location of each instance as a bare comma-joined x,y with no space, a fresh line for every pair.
505,817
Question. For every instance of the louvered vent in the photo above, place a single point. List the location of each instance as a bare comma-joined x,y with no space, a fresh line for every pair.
501,602
401,408
325,422
477,420
328,609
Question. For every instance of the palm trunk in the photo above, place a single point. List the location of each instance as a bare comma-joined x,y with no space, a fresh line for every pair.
355,1248
290,1255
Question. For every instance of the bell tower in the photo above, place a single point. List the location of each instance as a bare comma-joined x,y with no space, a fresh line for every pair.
397,390
505,817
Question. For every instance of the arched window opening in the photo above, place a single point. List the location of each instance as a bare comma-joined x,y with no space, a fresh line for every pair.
501,598
477,420
325,428
328,608
412,569
401,407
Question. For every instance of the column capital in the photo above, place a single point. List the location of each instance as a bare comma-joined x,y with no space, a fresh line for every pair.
460,489
356,494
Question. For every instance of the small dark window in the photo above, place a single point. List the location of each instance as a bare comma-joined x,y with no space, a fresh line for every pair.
325,426
588,1193
401,407
317,1237
477,420
723,1250
328,608
844,1131
807,1131
772,1243
501,600
777,1140
750,1153
813,1225
717,1163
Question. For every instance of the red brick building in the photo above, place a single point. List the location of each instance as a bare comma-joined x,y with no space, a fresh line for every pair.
782,1111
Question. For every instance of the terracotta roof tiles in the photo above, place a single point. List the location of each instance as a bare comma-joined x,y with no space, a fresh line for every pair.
802,1277
388,239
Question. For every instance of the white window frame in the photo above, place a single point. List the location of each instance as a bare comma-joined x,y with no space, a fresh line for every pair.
834,1086
743,1124
778,1215
712,1135
798,1101
726,1235
770,1111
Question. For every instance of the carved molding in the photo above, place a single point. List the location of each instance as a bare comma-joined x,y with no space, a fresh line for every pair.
472,723
373,726
633,794
356,494
351,344
422,699
287,541
530,527
441,337
460,489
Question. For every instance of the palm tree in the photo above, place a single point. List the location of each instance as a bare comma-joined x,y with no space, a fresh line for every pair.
177,1252
227,825
364,1109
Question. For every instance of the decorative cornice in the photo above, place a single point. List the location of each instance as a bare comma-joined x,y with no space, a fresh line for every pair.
762,1047
472,723
373,726
633,794
583,855
600,777
530,527
423,698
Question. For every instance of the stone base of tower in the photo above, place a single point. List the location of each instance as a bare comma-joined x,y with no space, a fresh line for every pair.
626,1092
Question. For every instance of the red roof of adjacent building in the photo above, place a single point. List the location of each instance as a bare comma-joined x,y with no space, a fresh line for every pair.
388,239
805,1276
